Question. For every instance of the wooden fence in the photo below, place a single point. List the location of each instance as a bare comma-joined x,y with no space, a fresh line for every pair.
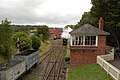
110,69
108,57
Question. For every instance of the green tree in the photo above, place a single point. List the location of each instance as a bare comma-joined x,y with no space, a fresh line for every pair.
22,41
87,18
21,28
43,33
35,42
110,11
6,33
71,26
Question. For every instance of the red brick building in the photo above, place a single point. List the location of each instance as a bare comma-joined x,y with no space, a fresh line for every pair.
86,43
54,33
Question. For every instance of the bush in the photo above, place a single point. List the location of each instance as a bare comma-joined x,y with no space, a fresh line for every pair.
25,43
43,33
22,41
35,42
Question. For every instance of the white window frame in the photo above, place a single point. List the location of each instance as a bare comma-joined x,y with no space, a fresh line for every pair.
73,36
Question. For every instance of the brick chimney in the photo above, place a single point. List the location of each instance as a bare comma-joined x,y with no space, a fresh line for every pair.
101,23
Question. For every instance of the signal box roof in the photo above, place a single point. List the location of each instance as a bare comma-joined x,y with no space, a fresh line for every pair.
88,30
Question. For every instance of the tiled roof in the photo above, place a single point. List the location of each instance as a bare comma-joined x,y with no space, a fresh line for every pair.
54,31
88,30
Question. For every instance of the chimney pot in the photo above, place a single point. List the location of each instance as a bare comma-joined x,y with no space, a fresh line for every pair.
101,23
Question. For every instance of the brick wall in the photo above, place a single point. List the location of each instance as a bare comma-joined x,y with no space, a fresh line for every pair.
81,55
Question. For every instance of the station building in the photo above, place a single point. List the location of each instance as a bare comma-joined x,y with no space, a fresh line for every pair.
86,43
54,33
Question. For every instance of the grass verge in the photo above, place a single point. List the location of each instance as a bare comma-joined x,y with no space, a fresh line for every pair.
68,52
88,72
67,58
44,47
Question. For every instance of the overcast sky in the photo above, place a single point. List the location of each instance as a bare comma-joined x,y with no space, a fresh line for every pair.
54,13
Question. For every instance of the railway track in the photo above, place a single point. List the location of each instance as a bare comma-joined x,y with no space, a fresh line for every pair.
53,69
52,63
45,55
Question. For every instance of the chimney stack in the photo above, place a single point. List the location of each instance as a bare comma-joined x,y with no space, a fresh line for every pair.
101,23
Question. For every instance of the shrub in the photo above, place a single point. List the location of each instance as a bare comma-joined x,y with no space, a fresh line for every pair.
22,41
35,42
